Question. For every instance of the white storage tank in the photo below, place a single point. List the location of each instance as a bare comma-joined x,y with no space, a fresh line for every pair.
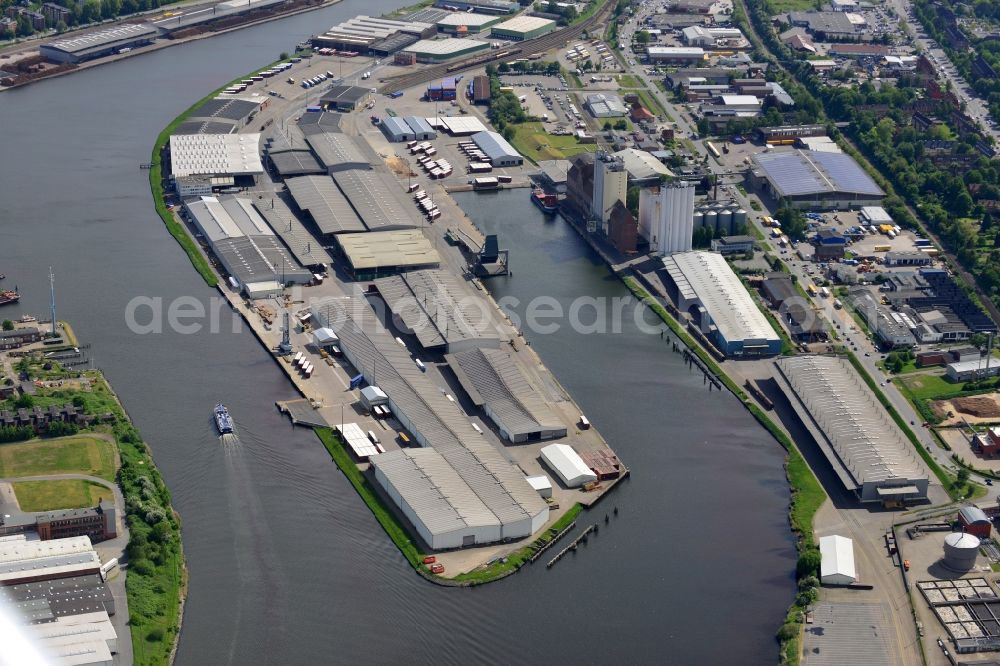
960,551
699,219
739,218
725,220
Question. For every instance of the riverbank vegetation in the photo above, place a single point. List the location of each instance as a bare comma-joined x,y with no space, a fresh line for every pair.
383,514
156,580
155,577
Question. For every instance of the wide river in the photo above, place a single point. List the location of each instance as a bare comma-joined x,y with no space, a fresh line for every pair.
286,564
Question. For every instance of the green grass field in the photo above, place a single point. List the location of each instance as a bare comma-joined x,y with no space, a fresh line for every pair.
531,141
929,387
784,6
76,454
61,494
629,81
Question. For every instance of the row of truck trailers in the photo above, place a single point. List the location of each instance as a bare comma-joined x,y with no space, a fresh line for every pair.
425,203
266,74
478,161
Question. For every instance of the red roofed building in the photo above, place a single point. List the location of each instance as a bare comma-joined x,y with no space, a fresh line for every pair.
640,113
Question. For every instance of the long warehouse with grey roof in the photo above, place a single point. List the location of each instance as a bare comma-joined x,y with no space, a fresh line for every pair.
435,421
326,204
866,449
495,383
815,179
337,152
439,310
376,197
307,250
245,244
725,311
76,49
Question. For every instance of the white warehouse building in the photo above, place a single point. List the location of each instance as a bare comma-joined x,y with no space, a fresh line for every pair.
837,561
865,448
498,150
567,464
725,312
442,507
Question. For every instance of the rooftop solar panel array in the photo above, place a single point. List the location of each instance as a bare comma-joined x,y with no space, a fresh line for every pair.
801,172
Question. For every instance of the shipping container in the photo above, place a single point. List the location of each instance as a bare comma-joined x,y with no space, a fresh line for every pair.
373,437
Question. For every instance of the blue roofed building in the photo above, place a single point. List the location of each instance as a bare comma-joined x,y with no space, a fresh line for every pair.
815,180
829,244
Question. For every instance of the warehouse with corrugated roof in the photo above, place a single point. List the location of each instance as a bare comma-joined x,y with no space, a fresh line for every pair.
495,383
441,311
435,421
377,198
866,449
380,253
437,501
320,197
498,150
396,129
337,152
724,311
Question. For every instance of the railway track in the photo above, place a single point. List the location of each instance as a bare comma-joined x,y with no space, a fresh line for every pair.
526,48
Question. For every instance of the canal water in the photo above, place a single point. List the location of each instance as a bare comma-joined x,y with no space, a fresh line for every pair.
286,564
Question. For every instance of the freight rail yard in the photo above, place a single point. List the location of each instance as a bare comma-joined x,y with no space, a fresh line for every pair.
348,258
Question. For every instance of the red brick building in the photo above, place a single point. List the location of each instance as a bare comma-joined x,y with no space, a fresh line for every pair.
99,523
988,444
975,521
623,230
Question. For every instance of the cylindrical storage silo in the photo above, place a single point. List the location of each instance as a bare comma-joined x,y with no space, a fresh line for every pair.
726,221
739,218
960,551
699,219
711,219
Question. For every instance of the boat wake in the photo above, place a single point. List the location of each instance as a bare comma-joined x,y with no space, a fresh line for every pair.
229,441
